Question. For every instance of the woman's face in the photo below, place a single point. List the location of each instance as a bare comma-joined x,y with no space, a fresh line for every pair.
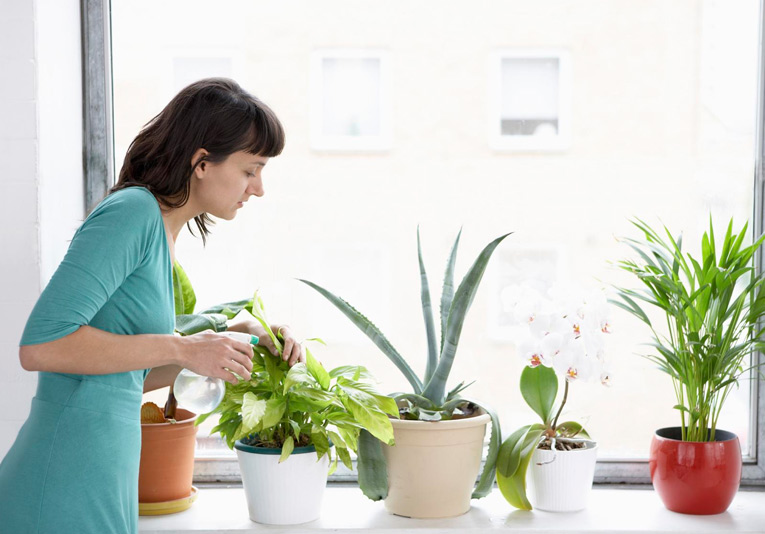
222,188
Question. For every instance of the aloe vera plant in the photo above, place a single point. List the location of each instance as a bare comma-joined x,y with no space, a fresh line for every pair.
429,399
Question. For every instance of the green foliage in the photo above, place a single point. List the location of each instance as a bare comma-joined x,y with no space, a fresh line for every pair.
712,306
284,407
429,400
539,387
183,292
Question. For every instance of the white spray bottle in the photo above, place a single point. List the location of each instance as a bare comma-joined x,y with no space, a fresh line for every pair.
202,394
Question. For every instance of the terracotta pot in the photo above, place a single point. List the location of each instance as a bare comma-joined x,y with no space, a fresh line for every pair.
167,459
695,477
433,467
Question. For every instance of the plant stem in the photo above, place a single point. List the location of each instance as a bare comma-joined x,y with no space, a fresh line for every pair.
562,403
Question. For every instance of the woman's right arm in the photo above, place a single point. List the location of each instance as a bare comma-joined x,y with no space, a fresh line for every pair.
90,351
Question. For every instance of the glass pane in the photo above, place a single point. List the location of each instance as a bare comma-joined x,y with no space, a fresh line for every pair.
529,96
662,112
351,96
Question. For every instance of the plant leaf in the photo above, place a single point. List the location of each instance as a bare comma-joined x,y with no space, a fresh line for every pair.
372,332
539,387
195,323
253,410
512,464
316,369
447,293
463,298
486,480
427,314
372,467
287,448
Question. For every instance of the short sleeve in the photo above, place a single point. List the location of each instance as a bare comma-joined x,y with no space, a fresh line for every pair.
109,246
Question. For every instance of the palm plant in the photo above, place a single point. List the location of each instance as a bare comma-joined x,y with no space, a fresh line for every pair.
712,307
429,399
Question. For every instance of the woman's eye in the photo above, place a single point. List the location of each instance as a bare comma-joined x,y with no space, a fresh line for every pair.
250,175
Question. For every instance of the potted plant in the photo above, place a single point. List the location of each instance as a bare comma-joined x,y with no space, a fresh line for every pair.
563,337
282,420
712,306
168,436
432,469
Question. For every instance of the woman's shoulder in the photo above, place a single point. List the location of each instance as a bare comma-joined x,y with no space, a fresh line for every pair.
138,202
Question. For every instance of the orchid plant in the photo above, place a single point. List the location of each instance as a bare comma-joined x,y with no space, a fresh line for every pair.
561,335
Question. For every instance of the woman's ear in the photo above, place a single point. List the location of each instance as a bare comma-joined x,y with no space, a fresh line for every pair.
198,163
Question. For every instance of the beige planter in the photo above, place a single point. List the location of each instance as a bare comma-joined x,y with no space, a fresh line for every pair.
433,467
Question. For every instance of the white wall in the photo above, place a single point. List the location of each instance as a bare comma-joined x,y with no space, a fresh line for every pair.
41,179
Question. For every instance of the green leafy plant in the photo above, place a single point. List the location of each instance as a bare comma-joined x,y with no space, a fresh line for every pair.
429,399
284,407
712,308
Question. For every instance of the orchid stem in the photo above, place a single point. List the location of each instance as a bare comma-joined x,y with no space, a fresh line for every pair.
562,404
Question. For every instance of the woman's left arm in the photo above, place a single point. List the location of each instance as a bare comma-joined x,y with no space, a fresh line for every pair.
293,350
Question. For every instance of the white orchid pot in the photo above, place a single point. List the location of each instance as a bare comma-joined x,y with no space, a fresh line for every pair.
287,493
561,481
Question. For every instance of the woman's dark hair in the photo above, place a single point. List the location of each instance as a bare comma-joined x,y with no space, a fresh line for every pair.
215,114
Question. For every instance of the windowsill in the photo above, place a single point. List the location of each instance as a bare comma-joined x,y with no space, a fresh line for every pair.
345,508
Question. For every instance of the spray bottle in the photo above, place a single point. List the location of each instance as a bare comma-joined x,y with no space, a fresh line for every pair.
202,394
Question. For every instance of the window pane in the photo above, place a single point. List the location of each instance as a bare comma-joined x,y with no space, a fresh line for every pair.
351,96
529,93
663,98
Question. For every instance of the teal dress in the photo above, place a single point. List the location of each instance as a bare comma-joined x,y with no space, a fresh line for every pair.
74,465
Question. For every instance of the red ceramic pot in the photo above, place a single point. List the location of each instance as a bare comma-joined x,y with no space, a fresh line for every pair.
694,477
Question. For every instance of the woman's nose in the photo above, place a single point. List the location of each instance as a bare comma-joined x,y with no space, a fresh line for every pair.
256,187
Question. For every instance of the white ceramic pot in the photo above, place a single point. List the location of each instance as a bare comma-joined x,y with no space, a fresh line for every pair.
287,493
433,467
561,481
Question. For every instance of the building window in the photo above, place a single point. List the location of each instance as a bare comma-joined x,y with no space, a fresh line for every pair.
350,108
530,102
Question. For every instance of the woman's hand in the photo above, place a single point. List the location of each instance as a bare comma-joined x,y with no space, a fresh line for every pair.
211,354
293,351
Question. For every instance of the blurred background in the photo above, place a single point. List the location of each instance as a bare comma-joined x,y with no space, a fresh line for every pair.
558,121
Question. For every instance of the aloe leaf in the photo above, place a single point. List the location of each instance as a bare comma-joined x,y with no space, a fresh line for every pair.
447,293
373,469
457,389
373,333
486,481
417,400
463,298
427,314
539,387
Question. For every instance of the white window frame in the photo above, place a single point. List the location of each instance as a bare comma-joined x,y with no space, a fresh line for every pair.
348,143
526,143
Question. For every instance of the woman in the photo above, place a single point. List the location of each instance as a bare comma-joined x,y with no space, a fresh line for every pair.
101,332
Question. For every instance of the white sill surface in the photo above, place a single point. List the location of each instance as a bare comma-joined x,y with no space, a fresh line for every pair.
346,509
